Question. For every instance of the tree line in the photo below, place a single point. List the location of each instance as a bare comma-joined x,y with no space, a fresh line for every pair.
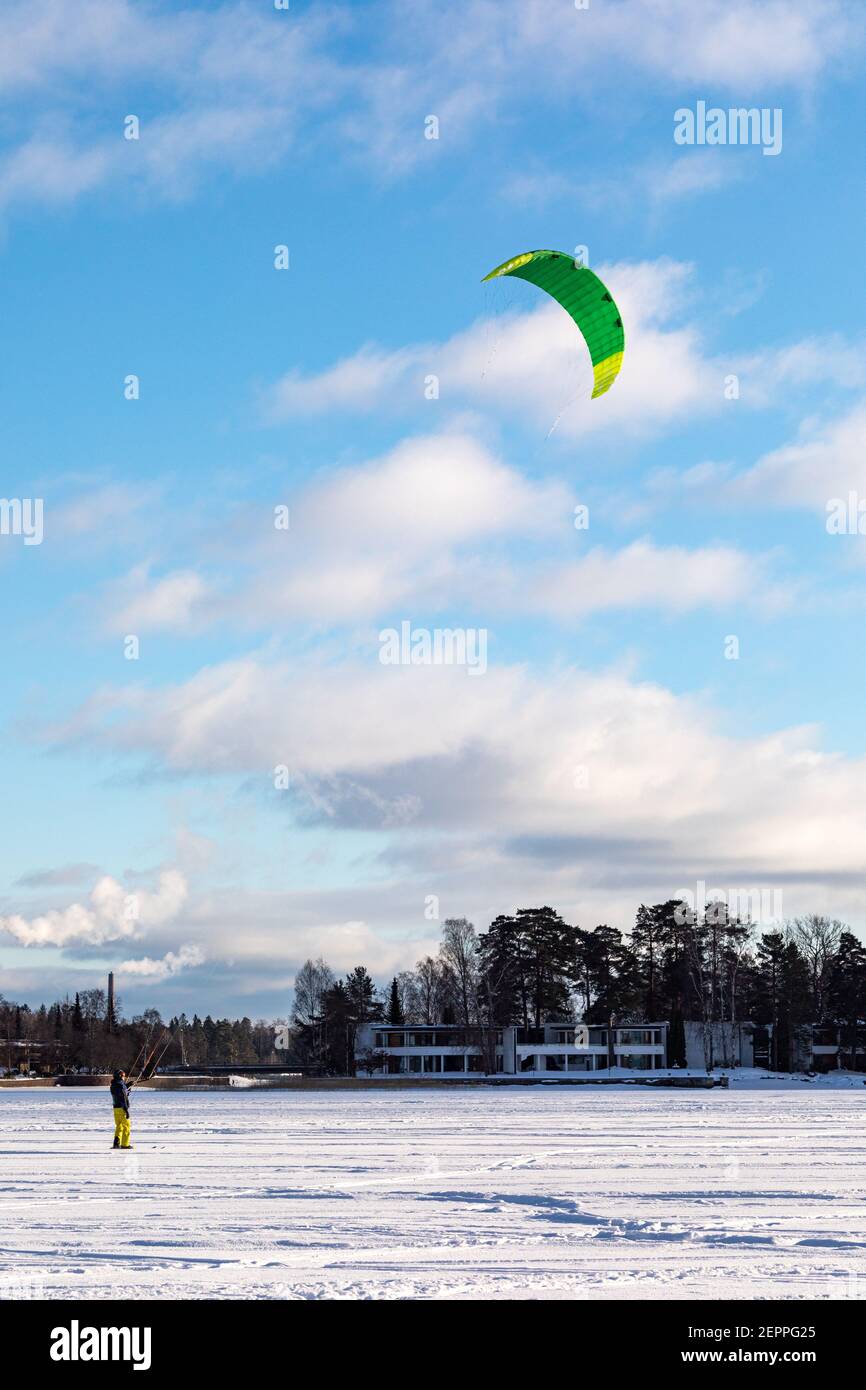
526,969
83,1033
532,967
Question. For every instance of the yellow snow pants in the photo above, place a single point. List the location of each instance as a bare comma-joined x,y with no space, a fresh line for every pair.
121,1127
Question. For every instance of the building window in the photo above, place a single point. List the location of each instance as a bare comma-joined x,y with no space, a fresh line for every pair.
528,1063
638,1037
395,1040
634,1061
452,1063
433,1063
474,1062
598,1037
555,1063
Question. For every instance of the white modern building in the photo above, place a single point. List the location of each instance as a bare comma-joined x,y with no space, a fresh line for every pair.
723,1044
443,1049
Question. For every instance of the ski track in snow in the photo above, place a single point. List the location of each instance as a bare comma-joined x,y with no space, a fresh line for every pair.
501,1194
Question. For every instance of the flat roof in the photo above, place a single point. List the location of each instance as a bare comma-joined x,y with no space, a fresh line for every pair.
467,1027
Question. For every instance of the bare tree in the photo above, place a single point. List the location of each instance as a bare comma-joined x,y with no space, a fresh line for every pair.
716,947
408,994
737,948
432,978
459,954
311,983
818,941
700,955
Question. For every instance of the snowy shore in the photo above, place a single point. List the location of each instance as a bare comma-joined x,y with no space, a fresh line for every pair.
758,1191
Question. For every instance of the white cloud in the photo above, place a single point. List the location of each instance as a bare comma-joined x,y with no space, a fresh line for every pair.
535,364
113,913
826,462
357,383
51,171
314,930
491,764
172,963
534,367
653,181
478,58
106,508
690,174
231,84
428,492
425,528
360,541
140,604
729,42
241,86
671,578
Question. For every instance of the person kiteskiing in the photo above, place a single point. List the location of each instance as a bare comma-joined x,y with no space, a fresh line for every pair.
120,1100
120,1087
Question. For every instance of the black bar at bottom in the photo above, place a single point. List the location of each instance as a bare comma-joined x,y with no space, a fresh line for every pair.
198,1339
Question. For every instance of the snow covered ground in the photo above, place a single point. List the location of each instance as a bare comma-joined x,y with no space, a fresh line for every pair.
754,1192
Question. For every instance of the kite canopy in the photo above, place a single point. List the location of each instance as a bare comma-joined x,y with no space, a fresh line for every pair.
585,298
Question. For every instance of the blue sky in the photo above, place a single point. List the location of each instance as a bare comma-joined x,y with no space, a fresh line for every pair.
143,829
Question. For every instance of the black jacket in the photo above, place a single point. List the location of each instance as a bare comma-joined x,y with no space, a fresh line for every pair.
120,1095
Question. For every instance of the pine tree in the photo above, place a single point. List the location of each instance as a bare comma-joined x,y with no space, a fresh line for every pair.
768,988
673,921
365,1007
337,1030
526,966
502,992
606,974
782,995
647,943
547,950
394,1013
847,991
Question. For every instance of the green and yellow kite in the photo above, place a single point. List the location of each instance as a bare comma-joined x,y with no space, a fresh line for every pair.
585,298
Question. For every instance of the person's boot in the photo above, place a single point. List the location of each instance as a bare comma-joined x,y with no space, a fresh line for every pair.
116,1144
